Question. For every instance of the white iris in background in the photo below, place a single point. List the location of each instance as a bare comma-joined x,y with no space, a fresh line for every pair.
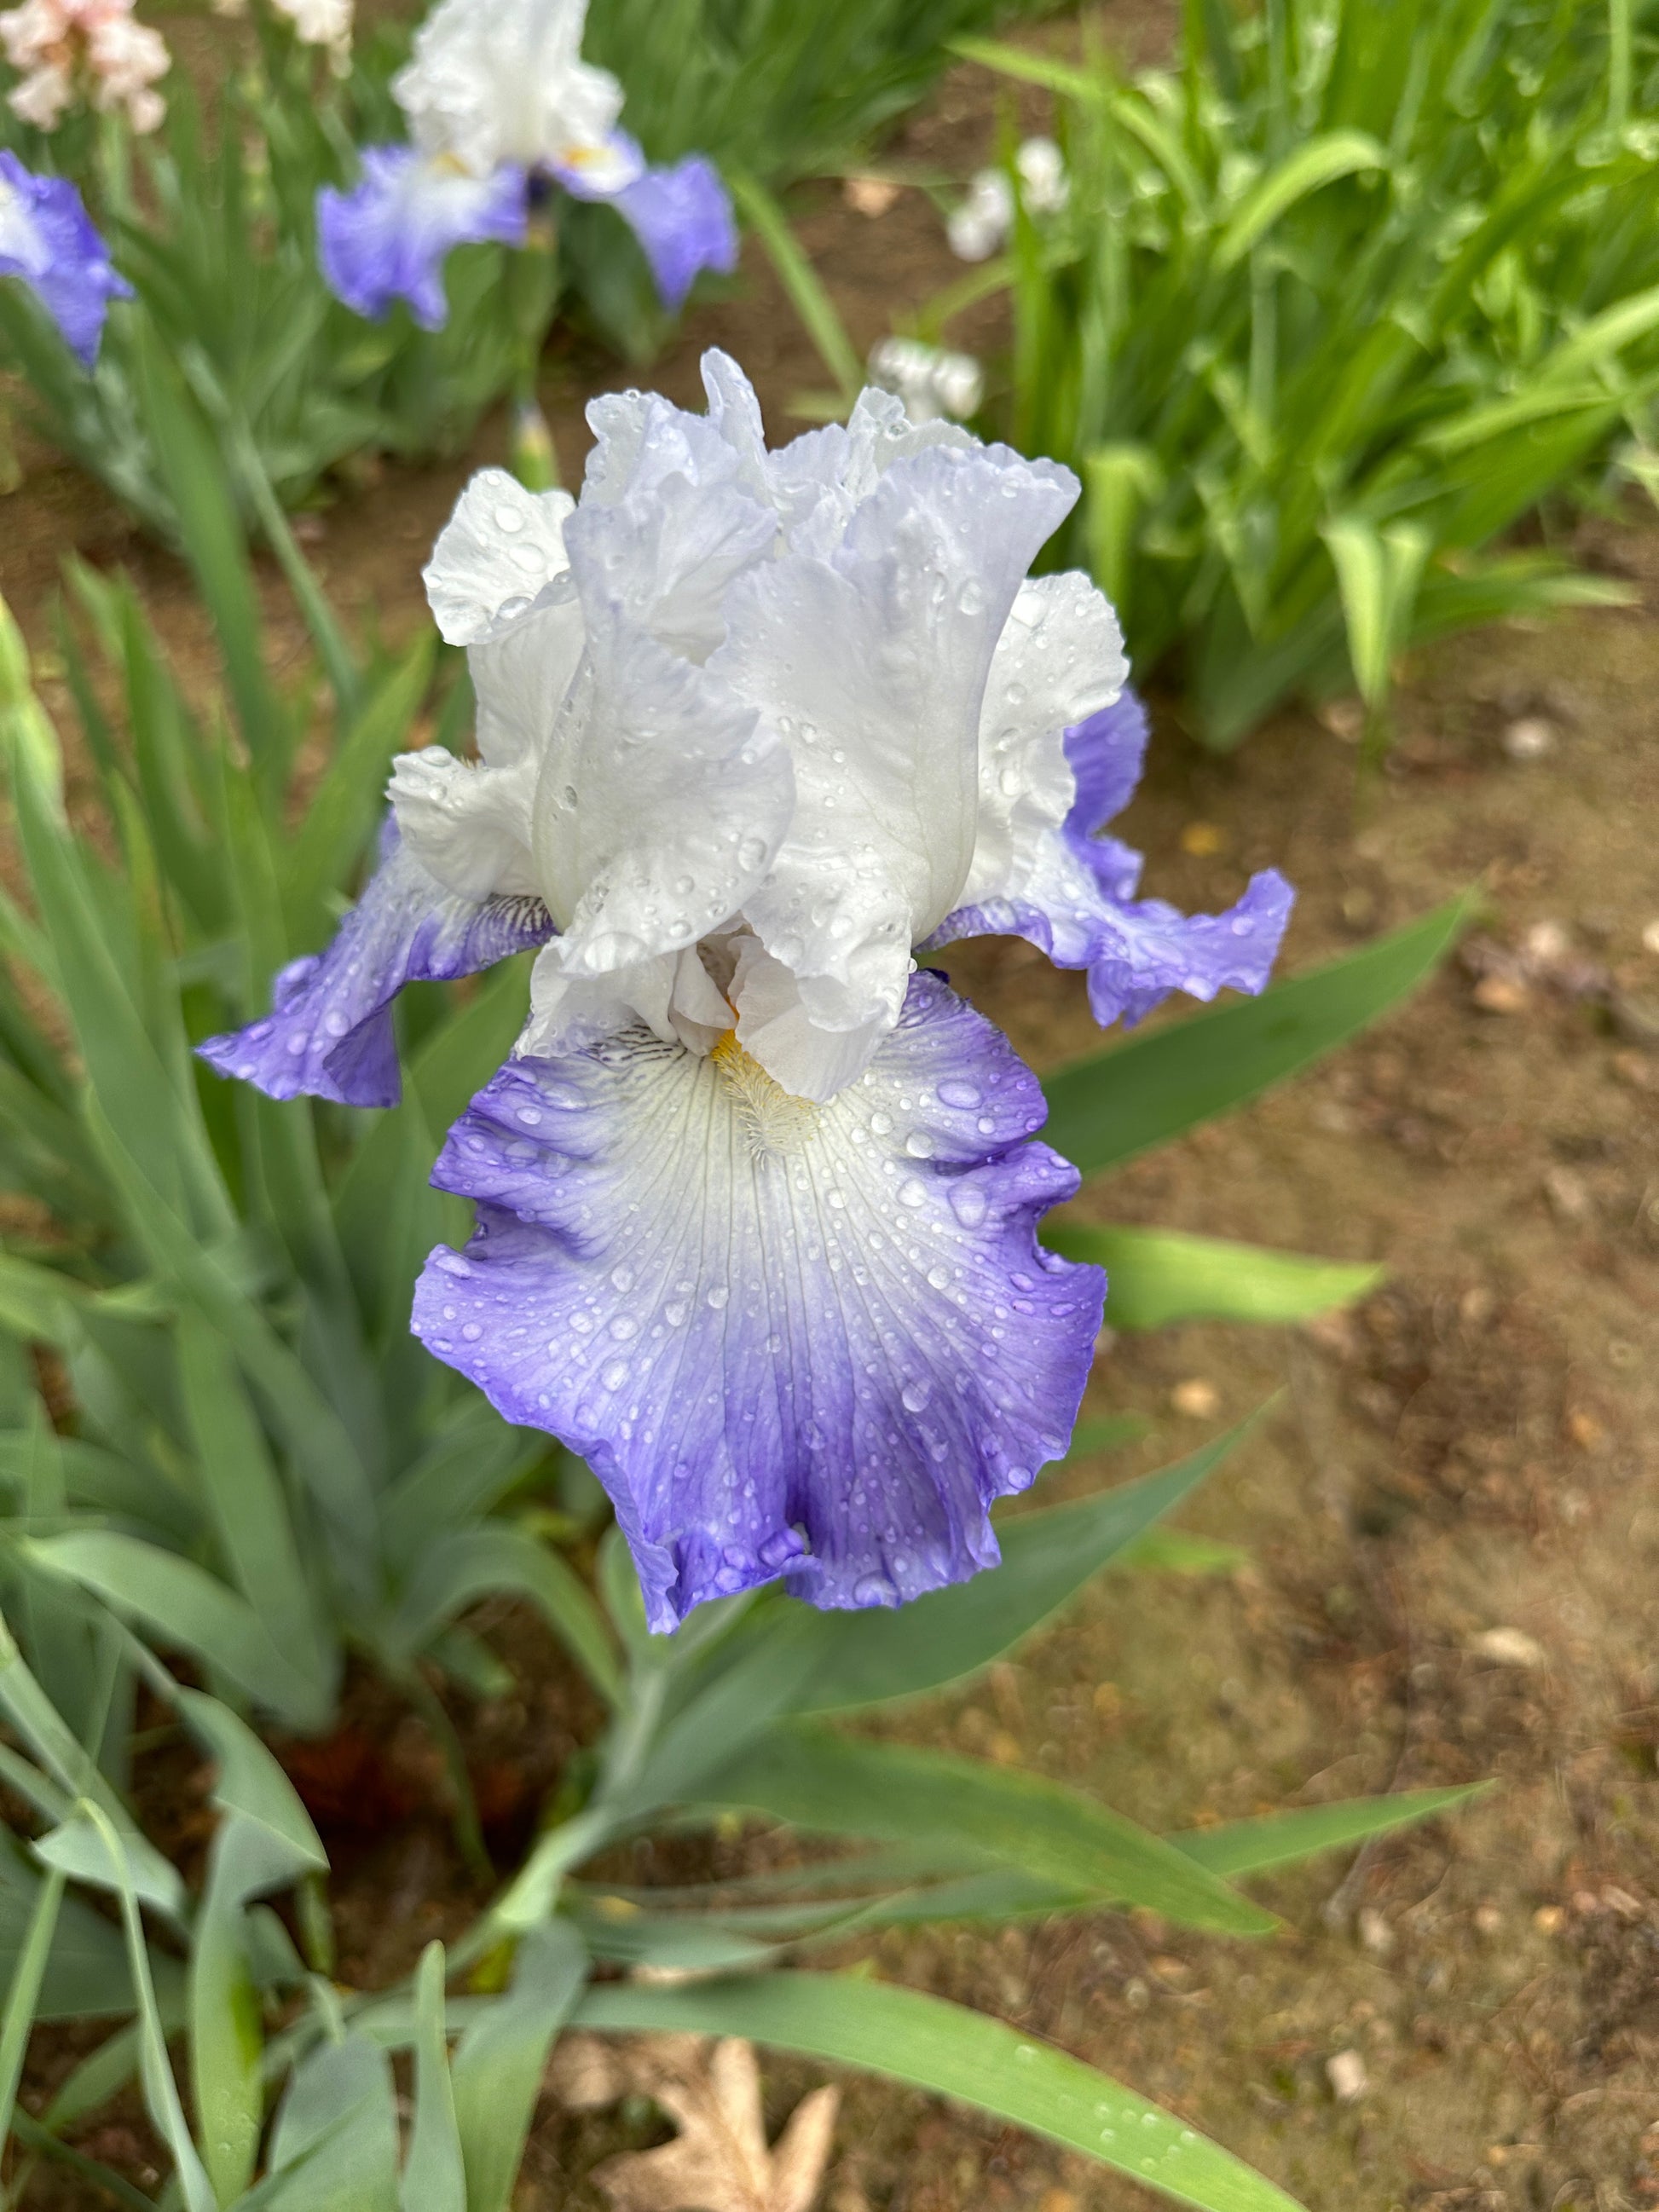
505,82
981,225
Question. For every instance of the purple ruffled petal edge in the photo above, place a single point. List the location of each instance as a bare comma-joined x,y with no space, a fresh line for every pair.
822,1362
1137,953
330,1033
387,238
61,257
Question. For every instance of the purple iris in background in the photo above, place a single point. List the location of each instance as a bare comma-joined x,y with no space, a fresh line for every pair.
46,239
499,101
757,1199
387,239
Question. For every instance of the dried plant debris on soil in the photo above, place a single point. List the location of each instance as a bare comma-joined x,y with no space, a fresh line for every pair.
719,2159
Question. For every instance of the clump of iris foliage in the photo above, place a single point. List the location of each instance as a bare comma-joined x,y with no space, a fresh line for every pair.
222,1442
1336,302
212,218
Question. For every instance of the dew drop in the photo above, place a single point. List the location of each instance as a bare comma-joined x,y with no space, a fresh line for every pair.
954,1091
913,1191
614,1374
719,1297
968,1204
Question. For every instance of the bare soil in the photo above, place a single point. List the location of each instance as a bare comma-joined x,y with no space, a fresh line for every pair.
1470,1453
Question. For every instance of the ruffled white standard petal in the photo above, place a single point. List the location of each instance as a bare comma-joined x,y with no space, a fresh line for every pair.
497,554
673,511
465,821
661,800
494,81
819,479
499,583
872,662
1059,660
813,1342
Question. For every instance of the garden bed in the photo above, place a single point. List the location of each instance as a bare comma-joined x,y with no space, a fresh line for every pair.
1468,1453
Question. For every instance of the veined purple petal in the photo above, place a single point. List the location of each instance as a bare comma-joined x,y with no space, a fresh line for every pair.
47,239
683,218
1081,910
812,1342
329,1033
386,238
1148,949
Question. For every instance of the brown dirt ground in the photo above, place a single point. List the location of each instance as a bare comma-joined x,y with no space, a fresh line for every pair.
1472,1452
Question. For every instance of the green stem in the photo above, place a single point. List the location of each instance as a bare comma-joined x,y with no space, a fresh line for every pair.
533,291
1619,64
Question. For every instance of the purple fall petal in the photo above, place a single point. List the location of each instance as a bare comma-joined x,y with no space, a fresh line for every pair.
47,239
1083,912
683,218
1148,949
387,238
807,1341
329,1033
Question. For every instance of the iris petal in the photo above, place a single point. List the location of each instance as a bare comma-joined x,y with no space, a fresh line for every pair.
329,1033
682,219
1076,901
807,1341
47,239
386,238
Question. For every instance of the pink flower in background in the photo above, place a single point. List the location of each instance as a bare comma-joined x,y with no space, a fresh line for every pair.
96,49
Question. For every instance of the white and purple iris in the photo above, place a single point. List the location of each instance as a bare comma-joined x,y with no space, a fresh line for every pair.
757,1198
48,241
500,108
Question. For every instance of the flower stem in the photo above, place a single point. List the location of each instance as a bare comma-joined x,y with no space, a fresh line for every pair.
533,291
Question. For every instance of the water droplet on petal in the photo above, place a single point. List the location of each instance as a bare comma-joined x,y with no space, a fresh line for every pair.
968,1204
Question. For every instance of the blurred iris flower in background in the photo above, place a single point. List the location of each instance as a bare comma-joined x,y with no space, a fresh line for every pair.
502,108
47,239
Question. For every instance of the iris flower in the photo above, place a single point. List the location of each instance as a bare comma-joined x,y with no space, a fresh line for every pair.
500,106
47,239
757,1196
